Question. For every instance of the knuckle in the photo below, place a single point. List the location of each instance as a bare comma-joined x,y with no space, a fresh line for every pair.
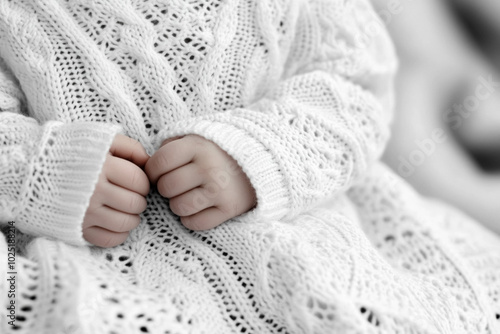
212,190
200,200
204,172
221,177
201,170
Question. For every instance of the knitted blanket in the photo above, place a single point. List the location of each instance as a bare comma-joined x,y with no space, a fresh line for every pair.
299,93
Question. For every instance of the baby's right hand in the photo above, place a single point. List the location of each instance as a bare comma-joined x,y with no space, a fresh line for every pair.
119,196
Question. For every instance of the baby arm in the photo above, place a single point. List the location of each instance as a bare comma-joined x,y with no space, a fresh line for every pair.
48,173
319,125
205,185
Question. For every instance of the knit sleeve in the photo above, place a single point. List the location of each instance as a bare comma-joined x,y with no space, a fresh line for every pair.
47,171
324,123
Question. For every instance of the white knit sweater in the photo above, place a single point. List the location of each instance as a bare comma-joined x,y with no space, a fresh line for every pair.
299,94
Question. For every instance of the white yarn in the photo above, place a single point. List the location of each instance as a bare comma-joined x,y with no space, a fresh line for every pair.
299,93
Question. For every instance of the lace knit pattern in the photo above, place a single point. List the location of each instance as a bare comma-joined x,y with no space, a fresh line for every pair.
299,93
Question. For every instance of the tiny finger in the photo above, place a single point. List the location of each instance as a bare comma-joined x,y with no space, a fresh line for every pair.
127,175
112,220
180,181
121,199
171,156
129,149
104,238
191,202
206,219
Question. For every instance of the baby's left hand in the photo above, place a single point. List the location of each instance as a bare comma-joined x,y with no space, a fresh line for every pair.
205,185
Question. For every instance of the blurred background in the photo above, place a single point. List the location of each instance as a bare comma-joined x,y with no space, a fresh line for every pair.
446,128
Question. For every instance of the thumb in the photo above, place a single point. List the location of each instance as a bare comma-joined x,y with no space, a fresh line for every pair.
129,149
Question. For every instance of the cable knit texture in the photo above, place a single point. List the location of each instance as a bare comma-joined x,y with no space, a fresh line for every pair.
299,93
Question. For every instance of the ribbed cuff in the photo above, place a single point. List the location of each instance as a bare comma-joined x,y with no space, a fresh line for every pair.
254,158
62,178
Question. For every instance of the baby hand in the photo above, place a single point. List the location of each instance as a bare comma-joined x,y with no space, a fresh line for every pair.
119,196
205,185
